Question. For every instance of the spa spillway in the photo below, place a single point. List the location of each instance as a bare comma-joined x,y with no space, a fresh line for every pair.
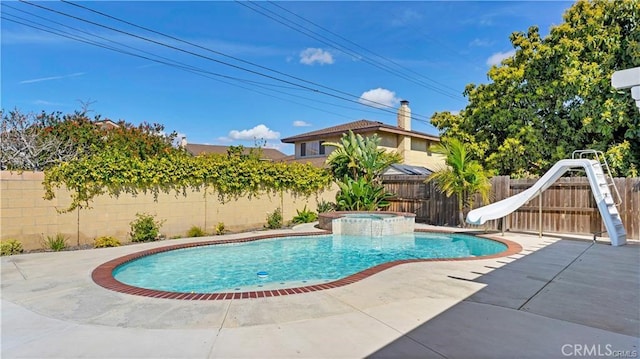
374,224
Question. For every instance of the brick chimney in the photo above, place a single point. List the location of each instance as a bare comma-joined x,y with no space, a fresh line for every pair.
404,115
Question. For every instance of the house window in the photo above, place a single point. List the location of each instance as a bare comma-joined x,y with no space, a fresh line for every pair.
313,148
388,141
418,144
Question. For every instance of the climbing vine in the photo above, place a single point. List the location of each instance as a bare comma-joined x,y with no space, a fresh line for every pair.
231,177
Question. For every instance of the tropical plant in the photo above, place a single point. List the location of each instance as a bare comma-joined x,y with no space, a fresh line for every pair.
55,243
356,156
360,195
196,231
145,228
220,228
463,176
325,206
357,164
274,219
106,241
305,216
554,95
11,247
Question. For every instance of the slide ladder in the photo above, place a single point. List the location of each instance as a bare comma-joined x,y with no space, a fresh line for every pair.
600,181
606,194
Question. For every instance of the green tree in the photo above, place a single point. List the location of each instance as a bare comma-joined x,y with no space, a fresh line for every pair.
463,176
554,95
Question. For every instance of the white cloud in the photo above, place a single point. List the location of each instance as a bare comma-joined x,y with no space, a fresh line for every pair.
312,55
51,78
497,58
480,42
224,140
47,103
259,132
408,16
300,124
379,98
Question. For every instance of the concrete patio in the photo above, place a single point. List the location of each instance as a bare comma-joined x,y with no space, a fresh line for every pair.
557,298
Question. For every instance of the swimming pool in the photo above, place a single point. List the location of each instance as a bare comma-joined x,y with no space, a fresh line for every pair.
286,265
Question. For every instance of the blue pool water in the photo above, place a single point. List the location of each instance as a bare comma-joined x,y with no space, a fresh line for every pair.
290,261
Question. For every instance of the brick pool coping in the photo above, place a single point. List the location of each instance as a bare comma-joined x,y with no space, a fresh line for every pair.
103,274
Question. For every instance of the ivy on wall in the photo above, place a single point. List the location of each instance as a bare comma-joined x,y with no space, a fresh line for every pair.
231,177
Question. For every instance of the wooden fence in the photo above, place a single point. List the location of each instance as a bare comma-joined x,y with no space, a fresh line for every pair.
568,206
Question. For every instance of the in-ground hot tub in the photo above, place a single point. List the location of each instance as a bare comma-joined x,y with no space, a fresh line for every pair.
374,224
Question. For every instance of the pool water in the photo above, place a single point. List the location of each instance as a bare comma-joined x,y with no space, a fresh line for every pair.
290,261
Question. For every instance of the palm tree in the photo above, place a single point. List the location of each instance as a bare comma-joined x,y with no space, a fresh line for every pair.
463,176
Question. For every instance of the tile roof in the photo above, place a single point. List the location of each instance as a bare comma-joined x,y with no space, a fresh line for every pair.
197,149
359,126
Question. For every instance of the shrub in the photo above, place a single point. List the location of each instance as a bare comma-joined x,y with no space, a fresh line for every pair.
10,247
145,228
106,241
196,231
325,206
220,228
360,195
56,243
305,216
274,219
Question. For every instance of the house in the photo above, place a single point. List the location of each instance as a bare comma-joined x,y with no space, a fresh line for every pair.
413,146
106,124
269,154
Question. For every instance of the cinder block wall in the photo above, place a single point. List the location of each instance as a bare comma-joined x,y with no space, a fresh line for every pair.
27,217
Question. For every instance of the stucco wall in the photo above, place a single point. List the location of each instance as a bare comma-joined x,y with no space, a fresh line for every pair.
26,216
418,158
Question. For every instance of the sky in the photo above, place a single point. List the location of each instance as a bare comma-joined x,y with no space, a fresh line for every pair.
240,73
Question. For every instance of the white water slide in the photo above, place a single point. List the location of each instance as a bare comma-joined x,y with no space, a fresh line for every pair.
600,186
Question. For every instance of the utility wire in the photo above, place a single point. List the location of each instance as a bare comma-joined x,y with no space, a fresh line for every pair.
168,62
363,48
372,104
220,54
188,68
175,64
325,40
207,58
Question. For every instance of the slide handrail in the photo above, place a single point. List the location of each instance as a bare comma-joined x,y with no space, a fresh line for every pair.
602,159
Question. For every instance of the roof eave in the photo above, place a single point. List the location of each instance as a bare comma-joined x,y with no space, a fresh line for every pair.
304,137
398,131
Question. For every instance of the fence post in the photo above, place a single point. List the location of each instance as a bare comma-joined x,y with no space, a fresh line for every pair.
540,212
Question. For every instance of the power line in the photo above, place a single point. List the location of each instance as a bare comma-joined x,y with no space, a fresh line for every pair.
188,68
191,68
179,65
374,104
443,89
363,48
218,53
